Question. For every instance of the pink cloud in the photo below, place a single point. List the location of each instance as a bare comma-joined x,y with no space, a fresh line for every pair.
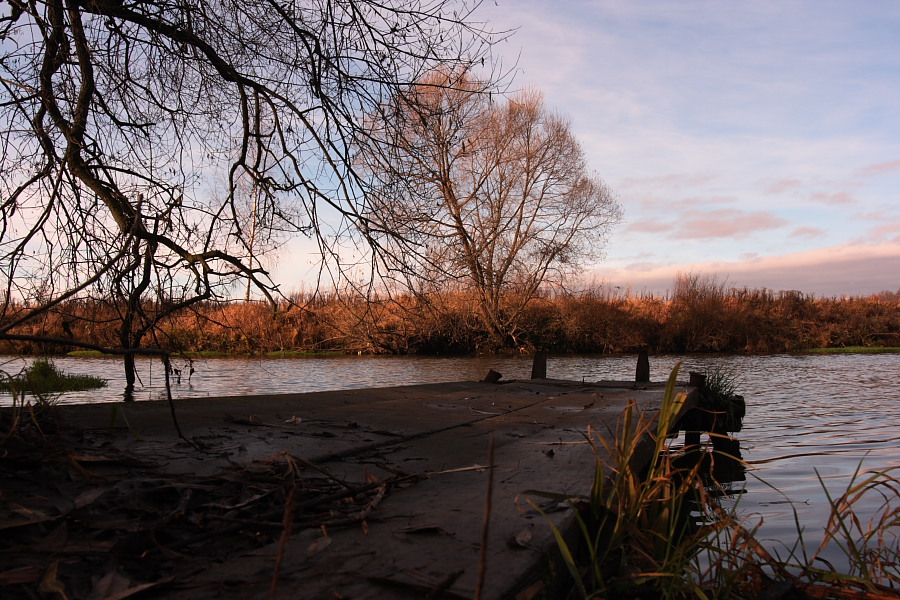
641,267
690,202
879,169
887,231
833,197
650,226
726,222
808,232
670,181
848,269
781,186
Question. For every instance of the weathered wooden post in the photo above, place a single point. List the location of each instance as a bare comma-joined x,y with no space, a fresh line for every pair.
642,372
492,376
697,379
539,366
693,422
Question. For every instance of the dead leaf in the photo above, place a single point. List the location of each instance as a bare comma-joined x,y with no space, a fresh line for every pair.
109,585
30,517
318,545
114,586
50,584
89,496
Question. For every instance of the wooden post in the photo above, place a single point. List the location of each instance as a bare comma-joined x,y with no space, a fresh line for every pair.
697,379
539,367
492,376
693,422
642,372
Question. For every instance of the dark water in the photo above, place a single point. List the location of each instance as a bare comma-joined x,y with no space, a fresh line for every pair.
808,417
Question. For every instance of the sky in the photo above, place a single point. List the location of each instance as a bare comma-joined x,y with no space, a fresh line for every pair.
754,141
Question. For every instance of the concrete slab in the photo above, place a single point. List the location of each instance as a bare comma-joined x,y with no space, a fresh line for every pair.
420,535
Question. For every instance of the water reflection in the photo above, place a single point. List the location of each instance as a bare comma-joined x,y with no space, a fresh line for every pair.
723,469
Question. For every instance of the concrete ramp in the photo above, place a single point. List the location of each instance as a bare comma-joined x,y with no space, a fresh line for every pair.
421,455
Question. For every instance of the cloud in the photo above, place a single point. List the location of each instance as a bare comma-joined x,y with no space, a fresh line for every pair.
671,180
726,223
808,233
650,226
667,203
782,185
875,170
884,232
833,197
847,269
730,131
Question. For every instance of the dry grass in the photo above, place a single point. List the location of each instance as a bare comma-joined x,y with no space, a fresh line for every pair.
701,315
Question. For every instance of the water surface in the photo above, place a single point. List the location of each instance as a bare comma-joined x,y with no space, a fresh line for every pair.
810,418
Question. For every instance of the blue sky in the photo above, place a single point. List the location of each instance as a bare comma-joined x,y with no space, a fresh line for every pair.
756,140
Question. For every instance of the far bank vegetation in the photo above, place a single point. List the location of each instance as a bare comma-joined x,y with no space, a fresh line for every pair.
701,314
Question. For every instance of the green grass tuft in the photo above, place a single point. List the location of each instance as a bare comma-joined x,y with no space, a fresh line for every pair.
42,377
304,353
86,353
855,350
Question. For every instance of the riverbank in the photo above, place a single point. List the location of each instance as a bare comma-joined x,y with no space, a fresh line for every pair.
389,489
700,315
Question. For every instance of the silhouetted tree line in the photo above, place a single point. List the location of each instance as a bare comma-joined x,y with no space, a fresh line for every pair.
699,315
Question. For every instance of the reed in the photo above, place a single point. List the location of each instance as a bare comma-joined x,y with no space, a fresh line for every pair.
42,378
719,397
664,531
871,546
43,381
639,535
701,315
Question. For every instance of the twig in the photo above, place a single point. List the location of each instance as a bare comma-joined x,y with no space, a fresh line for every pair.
287,525
200,537
482,561
166,364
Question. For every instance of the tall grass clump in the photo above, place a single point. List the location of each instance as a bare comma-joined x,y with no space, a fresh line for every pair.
871,546
42,377
656,531
44,382
662,530
719,397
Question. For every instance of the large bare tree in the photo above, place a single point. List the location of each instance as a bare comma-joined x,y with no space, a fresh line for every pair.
116,115
491,193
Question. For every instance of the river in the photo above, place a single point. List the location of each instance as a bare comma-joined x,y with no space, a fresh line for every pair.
810,418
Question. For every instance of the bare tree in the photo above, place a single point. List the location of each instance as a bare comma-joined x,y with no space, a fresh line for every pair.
489,192
115,117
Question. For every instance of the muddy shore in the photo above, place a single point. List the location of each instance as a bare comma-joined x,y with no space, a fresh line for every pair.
374,493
